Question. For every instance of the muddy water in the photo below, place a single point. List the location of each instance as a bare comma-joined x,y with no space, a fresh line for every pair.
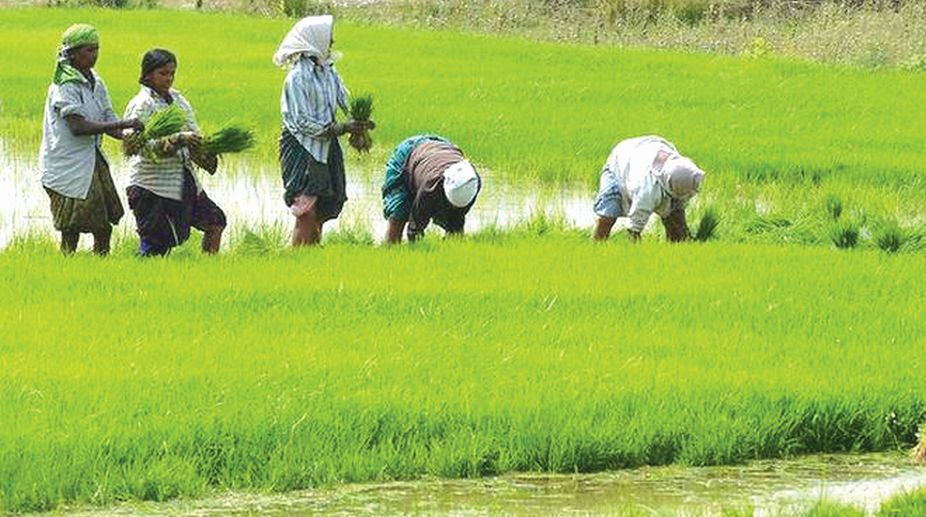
251,195
766,487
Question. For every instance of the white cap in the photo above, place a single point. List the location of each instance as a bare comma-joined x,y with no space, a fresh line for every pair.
461,183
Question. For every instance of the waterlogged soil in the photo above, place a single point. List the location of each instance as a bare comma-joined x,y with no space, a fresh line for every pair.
252,197
780,487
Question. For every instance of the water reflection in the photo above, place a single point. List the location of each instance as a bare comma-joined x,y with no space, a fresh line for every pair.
252,197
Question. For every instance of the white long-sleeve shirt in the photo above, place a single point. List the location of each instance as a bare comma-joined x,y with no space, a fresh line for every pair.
66,160
630,166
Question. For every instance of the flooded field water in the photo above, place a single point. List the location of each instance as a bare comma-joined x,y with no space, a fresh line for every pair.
252,197
779,487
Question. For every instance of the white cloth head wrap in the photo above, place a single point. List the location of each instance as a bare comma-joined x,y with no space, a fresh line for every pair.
682,177
461,184
310,36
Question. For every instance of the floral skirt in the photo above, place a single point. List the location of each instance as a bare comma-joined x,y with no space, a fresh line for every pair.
99,212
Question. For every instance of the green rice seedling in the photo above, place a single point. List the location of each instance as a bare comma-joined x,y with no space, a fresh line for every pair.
515,383
844,234
161,123
165,122
910,504
834,206
361,109
707,227
825,508
229,139
890,238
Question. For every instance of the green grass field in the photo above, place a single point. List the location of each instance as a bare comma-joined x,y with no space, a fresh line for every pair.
528,350
521,108
127,379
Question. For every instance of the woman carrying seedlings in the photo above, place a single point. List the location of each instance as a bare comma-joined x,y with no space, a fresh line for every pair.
642,176
427,177
164,191
310,156
75,174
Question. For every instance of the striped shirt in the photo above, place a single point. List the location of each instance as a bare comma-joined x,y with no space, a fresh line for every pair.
164,176
66,160
311,95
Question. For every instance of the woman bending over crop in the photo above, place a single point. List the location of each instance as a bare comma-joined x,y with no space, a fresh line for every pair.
164,191
427,177
75,174
310,157
642,176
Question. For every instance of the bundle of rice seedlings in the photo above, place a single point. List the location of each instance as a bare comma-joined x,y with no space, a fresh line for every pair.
844,234
161,123
229,139
708,225
361,108
165,122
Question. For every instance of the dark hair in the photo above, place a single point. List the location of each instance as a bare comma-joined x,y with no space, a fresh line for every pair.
154,59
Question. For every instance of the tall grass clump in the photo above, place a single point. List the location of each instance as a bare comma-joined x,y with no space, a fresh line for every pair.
890,237
906,505
844,234
707,226
833,206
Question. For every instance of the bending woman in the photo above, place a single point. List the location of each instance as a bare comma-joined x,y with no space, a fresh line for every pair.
310,156
75,174
164,191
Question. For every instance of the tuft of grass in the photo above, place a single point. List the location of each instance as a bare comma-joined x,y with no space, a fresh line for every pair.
844,234
906,505
833,206
890,237
830,509
707,227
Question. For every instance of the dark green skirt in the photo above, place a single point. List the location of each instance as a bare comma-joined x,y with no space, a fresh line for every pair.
99,212
303,174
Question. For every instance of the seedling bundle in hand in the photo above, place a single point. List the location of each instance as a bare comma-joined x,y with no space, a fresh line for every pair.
165,122
229,139
361,107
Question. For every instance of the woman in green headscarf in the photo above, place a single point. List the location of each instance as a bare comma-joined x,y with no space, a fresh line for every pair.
75,173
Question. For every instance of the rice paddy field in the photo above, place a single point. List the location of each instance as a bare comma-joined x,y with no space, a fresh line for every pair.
527,349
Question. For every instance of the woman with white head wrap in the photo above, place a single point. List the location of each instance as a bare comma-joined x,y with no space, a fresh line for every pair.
310,156
75,174
642,176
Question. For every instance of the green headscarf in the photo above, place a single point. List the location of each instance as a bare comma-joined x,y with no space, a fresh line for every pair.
75,36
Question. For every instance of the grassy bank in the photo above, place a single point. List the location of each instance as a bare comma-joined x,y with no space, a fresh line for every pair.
519,108
127,379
